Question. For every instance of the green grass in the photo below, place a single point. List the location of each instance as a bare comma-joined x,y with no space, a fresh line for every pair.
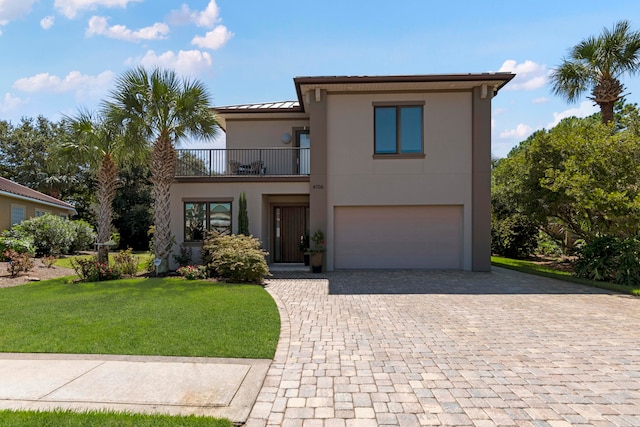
104,419
140,316
65,261
546,271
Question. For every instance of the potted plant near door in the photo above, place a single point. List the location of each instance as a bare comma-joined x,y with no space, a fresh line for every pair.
304,247
317,251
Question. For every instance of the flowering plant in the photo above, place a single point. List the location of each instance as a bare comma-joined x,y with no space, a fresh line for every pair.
193,272
318,242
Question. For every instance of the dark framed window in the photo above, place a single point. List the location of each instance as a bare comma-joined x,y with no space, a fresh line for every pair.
399,129
201,217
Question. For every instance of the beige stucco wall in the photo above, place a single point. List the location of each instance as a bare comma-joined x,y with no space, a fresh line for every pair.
260,133
442,177
30,210
259,196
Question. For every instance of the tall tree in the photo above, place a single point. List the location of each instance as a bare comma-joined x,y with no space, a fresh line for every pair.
162,108
100,144
597,63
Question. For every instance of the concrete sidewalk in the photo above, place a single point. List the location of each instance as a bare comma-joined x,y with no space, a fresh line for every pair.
164,385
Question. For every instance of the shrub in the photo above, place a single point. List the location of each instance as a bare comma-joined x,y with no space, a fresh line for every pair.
598,260
126,263
48,261
514,236
85,236
628,262
51,234
18,262
16,244
193,272
90,270
184,257
235,258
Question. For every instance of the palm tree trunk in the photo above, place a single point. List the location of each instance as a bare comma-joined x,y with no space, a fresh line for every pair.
606,111
107,185
163,164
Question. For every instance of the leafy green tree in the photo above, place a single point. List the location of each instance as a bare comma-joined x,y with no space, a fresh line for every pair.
597,63
100,143
161,108
581,177
132,206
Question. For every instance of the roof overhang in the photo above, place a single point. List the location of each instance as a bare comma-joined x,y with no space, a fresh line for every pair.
64,206
360,84
268,110
400,83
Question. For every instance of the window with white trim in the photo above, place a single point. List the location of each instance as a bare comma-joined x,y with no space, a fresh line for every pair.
17,214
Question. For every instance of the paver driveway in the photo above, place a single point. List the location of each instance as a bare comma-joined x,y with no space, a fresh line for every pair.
451,348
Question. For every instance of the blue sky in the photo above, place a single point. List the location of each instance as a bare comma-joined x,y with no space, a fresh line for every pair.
60,55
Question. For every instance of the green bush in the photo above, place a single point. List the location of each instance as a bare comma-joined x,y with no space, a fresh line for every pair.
236,258
18,245
85,236
514,236
598,260
126,262
53,235
90,270
628,265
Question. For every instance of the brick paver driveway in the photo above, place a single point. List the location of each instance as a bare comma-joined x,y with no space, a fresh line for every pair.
451,348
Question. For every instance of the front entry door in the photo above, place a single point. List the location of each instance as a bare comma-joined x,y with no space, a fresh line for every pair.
290,223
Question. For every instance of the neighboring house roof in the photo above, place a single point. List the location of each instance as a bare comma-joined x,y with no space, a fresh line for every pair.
13,189
352,84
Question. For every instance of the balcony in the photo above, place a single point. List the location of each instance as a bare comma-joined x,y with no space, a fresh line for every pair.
249,163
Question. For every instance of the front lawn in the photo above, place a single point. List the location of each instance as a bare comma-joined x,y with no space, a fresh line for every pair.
104,419
546,271
139,316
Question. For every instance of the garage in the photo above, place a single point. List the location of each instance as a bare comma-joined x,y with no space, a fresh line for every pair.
398,237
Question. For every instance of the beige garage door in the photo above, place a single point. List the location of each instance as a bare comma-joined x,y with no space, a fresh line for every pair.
398,237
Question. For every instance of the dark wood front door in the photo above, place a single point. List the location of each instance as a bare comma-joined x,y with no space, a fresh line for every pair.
290,223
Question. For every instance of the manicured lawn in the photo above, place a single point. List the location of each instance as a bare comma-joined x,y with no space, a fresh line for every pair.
143,258
140,316
541,270
104,419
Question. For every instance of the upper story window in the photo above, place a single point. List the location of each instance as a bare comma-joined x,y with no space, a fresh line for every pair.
200,217
399,129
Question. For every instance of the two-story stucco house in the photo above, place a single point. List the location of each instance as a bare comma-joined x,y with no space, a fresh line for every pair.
395,170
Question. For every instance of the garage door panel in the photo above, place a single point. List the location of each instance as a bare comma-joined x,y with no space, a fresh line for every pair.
398,237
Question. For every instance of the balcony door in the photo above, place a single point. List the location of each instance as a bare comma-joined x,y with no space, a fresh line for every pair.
290,223
303,141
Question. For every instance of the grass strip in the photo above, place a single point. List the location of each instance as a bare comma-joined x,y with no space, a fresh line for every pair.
546,271
139,316
60,418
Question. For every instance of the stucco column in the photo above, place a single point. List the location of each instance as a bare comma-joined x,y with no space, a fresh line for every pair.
481,182
317,110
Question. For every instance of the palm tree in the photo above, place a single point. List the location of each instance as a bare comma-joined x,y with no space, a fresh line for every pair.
598,63
161,108
99,143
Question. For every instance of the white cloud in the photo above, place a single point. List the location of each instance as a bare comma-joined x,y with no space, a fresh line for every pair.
13,9
521,132
10,103
81,84
529,75
213,39
47,22
586,108
207,18
98,25
70,8
541,100
186,62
